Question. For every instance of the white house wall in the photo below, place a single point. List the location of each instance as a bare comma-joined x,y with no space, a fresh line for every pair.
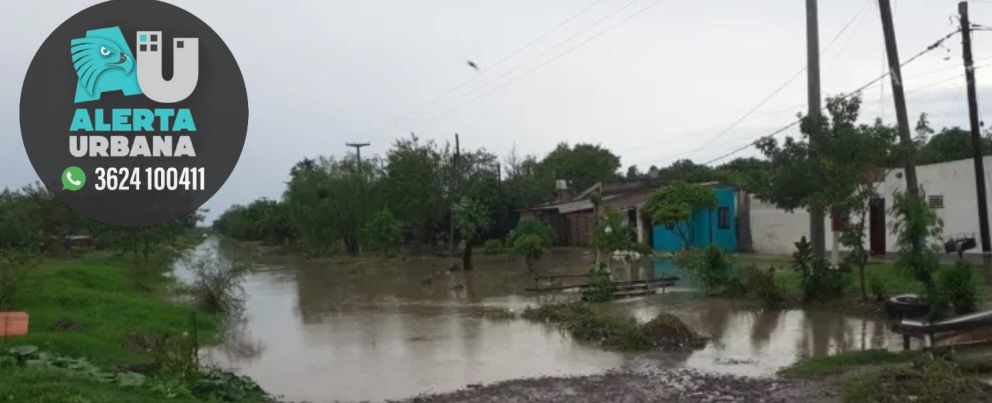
774,231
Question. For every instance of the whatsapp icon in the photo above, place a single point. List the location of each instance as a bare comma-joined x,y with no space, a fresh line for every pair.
73,179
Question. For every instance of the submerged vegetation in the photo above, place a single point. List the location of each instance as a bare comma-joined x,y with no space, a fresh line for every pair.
583,322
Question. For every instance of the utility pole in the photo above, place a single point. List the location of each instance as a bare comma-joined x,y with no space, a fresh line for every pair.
358,150
895,72
456,185
817,230
976,137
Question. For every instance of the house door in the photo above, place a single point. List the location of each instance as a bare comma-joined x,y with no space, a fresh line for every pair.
876,225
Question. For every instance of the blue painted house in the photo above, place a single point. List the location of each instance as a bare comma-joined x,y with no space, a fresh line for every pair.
717,225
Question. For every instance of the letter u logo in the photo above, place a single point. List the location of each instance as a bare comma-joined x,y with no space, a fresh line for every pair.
185,71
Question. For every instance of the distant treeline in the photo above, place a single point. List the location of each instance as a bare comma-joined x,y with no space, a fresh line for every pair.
406,197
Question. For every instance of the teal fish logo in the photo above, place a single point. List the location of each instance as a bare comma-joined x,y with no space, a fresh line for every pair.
103,63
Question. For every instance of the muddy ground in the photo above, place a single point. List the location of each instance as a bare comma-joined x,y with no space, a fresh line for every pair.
677,385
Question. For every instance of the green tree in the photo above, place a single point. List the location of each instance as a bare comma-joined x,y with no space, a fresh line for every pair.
471,219
916,223
383,232
673,206
951,144
582,165
413,186
530,239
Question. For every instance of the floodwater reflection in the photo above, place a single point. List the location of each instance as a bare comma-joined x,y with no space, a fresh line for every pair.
339,330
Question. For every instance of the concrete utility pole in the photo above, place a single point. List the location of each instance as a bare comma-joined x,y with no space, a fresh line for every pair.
976,136
817,230
358,150
895,72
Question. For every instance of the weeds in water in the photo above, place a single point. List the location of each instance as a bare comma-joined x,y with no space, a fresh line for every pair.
614,331
601,286
216,283
761,284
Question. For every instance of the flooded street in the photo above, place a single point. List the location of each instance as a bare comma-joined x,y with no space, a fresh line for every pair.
327,331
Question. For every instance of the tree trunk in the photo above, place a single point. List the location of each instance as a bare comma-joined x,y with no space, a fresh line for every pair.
467,256
861,273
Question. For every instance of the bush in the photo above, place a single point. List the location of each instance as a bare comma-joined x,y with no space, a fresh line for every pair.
383,232
711,268
956,288
494,247
877,287
601,287
13,270
819,280
583,323
217,283
761,285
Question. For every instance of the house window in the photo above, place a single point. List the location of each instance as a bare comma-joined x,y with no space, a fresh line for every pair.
936,201
723,218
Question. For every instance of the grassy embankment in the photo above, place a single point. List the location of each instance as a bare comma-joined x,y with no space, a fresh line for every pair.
882,376
89,308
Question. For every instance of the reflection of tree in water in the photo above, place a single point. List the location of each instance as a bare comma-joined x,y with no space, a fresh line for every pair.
763,325
826,332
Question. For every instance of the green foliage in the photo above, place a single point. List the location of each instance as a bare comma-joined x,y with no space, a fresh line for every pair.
956,288
601,286
582,165
665,331
262,220
821,169
819,280
217,282
813,367
14,267
877,287
712,268
673,206
530,239
915,223
933,380
951,144
383,232
414,186
471,218
329,201
613,233
761,285
151,248
494,247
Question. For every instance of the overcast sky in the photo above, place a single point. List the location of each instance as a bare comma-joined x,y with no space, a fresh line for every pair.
654,81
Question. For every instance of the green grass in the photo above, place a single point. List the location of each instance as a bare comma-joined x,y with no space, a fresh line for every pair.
39,385
89,308
104,308
836,364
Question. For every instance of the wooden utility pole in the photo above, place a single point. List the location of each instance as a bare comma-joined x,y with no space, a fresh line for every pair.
976,136
817,230
455,189
895,72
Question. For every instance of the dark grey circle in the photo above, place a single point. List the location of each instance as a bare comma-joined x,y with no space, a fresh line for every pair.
219,105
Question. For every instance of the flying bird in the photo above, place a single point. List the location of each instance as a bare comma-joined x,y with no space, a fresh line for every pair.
92,56
472,64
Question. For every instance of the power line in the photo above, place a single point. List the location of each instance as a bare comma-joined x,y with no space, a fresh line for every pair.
542,54
785,84
933,46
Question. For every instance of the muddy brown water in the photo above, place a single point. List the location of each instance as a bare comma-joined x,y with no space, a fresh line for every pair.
341,330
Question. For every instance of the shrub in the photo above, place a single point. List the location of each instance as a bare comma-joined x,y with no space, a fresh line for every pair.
711,268
383,232
530,239
819,280
956,288
877,287
494,247
13,270
761,285
601,287
216,283
622,332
